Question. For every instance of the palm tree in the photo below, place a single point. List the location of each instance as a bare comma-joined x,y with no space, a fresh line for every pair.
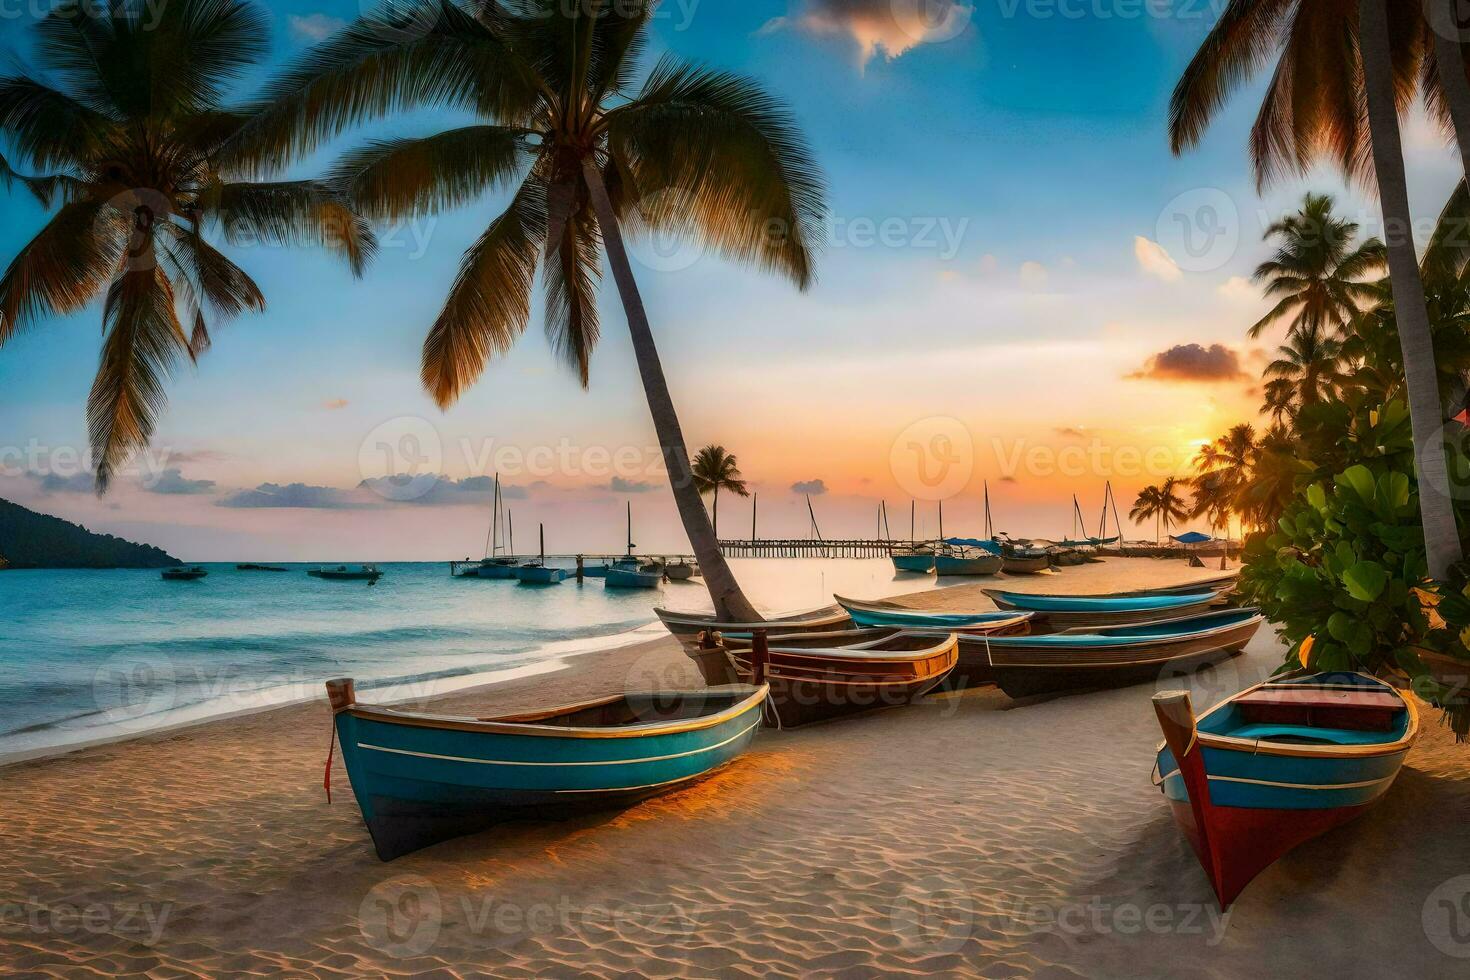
1334,58
1214,498
1161,502
1316,269
1307,370
131,140
714,470
691,151
1227,462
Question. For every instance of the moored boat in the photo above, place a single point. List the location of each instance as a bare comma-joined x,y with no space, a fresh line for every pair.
536,571
681,571
879,613
918,559
815,684
423,778
188,573
1062,612
1277,765
633,573
344,573
1216,583
252,567
1021,560
967,561
686,626
501,568
1114,656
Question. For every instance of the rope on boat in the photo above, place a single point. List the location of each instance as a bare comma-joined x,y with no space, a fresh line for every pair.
327,775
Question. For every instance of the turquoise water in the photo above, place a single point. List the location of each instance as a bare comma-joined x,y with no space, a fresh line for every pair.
95,654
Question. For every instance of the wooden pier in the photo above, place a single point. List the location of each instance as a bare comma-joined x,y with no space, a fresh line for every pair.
809,548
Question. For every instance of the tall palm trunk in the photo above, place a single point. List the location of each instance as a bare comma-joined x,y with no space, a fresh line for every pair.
716,515
730,603
1441,537
1450,59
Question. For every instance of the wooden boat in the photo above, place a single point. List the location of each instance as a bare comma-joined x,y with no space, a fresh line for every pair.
686,626
1114,656
633,573
879,613
189,573
912,559
972,664
1025,561
967,561
681,571
536,571
502,568
342,573
1215,583
1276,765
422,778
251,567
1061,612
815,684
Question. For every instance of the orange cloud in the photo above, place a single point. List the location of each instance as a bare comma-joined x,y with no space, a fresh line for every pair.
890,26
1193,362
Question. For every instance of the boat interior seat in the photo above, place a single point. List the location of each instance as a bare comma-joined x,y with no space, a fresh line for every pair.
1319,708
1307,734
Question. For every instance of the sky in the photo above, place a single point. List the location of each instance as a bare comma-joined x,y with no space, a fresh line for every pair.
1019,287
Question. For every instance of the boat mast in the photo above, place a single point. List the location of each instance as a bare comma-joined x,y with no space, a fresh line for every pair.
494,516
912,505
989,527
941,520
510,525
541,528
754,499
630,529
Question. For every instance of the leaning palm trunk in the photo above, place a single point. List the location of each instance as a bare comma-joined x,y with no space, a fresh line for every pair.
1450,62
730,603
1441,537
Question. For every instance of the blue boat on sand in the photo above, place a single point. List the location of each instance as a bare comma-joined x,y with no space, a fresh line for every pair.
422,778
1061,612
879,613
1277,765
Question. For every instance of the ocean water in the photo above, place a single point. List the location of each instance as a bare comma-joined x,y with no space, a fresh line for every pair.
88,655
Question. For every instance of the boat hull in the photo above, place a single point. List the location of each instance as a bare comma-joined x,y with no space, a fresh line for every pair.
813,685
540,575
913,563
623,578
1245,796
1072,612
1018,565
687,626
191,575
950,565
418,784
1028,666
679,572
498,571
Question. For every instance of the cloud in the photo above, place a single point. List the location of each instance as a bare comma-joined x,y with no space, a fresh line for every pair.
814,487
876,25
173,481
988,264
1071,431
56,483
313,28
619,485
1192,362
434,489
1033,275
1155,261
1238,289
298,495
334,404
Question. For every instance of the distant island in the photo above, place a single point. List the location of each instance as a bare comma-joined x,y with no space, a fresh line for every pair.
32,540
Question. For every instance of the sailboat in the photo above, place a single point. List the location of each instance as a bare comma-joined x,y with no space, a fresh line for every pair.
536,571
630,571
915,557
495,565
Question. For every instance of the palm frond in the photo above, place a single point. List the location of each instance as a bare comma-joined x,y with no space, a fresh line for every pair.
712,155
48,127
1237,47
490,301
144,341
571,276
302,212
46,189
400,178
223,286
424,53
66,265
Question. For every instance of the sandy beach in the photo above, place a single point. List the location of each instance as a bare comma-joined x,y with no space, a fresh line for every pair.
968,834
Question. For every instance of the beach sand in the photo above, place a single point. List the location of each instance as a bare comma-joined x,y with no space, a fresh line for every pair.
968,834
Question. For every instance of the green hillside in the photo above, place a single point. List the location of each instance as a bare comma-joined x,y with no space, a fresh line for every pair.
32,540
